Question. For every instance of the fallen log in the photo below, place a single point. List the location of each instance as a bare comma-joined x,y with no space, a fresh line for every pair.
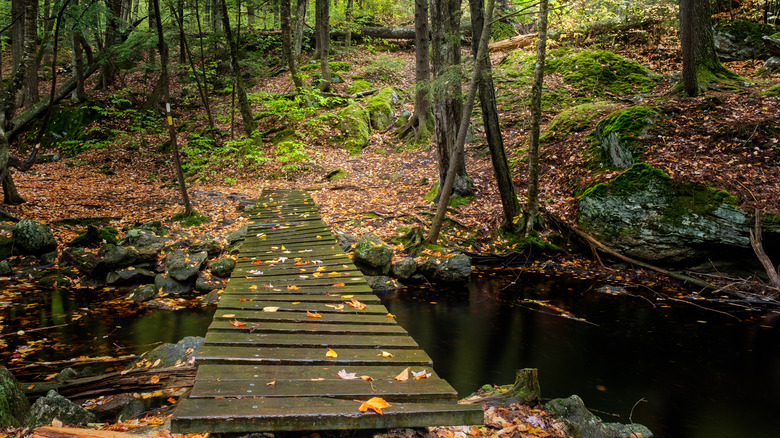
515,42
72,432
137,380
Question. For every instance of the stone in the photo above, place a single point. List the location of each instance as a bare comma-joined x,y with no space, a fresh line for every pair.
239,234
84,261
212,297
117,257
772,43
382,283
581,422
5,269
94,237
52,406
741,40
66,374
619,134
372,256
13,402
772,64
182,266
223,267
142,293
54,281
47,158
354,125
107,408
130,275
380,108
211,246
133,410
169,354
345,241
170,285
403,268
206,283
453,269
140,237
6,241
34,238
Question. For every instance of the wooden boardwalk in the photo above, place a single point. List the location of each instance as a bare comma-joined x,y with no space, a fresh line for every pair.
285,328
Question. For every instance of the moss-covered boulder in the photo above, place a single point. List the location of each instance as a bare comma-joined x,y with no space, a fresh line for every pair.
380,108
223,267
619,133
13,402
354,125
372,255
68,125
600,73
741,40
645,215
576,119
447,269
46,409
358,85
580,422
33,238
183,266
169,355
93,236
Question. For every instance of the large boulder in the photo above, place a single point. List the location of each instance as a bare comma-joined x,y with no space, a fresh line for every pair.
169,285
168,355
140,237
183,266
130,275
454,268
643,214
223,267
372,256
13,402
741,40
403,268
354,124
34,238
142,293
118,257
46,409
580,422
380,108
620,132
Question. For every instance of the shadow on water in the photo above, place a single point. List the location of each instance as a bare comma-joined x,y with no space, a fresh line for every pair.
703,373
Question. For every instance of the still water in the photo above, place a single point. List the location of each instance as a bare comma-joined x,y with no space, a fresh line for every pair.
703,370
701,373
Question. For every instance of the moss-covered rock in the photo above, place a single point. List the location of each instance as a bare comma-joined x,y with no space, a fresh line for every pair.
67,127
46,409
354,125
599,73
773,91
575,119
741,40
358,85
13,402
169,355
372,255
643,214
380,108
34,238
619,134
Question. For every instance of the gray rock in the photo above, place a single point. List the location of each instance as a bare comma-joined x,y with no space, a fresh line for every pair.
182,266
117,257
130,275
772,64
345,241
372,256
170,285
13,402
210,246
206,283
582,423
403,268
142,293
133,410
454,269
382,283
183,351
223,267
5,269
66,374
140,237
107,408
45,409
772,44
239,234
47,158
212,297
6,241
84,261
35,238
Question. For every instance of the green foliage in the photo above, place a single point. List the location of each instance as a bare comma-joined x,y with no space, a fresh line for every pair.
524,243
292,153
358,86
773,91
202,155
191,220
384,68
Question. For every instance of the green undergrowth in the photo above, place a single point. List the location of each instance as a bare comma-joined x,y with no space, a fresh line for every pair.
190,220
521,242
455,201
773,91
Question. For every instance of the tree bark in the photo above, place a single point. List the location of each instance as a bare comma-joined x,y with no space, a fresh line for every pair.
79,94
348,19
243,101
200,82
487,100
322,12
288,48
433,233
701,65
532,202
447,104
422,74
31,94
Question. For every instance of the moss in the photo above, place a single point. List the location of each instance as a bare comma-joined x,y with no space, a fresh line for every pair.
339,66
283,136
600,73
746,31
773,91
628,124
575,119
354,126
632,180
525,243
358,85
380,108
191,220
455,201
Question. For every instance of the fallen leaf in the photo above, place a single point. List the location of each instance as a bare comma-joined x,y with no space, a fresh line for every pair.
385,354
404,376
346,297
270,309
313,315
172,400
237,323
272,383
253,287
293,287
229,315
31,386
338,285
154,380
318,379
421,374
376,404
367,378
347,376
242,298
331,353
390,315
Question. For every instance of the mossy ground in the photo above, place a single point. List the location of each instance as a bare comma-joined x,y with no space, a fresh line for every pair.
575,119
358,85
191,220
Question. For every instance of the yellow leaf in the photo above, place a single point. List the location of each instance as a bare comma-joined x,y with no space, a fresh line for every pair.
253,287
237,323
283,248
321,268
376,404
270,309
338,285
229,315
404,376
271,383
334,274
293,287
390,315
154,380
385,354
346,297
515,220
313,315
331,353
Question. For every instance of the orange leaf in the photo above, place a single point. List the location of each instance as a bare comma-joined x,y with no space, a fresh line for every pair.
154,379
271,383
242,298
376,404
257,262
356,304
338,285
404,375
293,287
313,315
172,400
237,323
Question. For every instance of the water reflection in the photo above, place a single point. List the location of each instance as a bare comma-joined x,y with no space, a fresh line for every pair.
703,373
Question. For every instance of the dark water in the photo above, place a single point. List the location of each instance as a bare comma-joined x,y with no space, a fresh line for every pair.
701,372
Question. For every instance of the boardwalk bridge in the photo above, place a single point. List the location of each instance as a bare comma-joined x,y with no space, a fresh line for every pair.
295,313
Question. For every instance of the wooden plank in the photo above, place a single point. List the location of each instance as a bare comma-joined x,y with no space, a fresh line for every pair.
367,299
226,372
315,356
392,391
72,432
305,327
332,340
329,316
313,413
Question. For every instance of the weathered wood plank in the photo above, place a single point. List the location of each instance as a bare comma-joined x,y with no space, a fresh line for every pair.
366,298
327,312
299,315
332,340
305,327
314,356
313,413
299,372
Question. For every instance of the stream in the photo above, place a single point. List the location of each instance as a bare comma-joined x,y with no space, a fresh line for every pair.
687,369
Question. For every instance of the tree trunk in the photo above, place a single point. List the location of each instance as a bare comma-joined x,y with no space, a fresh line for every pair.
448,106
182,35
243,101
433,233
532,203
79,94
300,23
200,82
288,47
348,19
422,74
162,47
487,100
322,13
31,94
108,75
701,65
17,33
